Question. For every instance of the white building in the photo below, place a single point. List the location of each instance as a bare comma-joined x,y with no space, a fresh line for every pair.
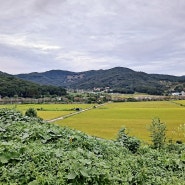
182,93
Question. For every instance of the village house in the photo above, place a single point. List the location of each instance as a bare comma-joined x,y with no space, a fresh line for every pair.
182,93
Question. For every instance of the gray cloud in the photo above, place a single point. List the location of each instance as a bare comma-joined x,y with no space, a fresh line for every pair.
82,35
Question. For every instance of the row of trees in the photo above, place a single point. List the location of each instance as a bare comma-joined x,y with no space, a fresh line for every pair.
141,89
87,98
31,91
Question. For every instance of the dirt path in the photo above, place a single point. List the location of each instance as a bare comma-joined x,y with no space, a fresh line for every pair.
75,113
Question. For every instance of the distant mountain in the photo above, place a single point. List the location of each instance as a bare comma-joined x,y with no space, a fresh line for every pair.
119,79
11,86
53,77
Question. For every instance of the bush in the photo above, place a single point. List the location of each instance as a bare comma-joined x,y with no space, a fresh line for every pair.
158,133
129,142
31,112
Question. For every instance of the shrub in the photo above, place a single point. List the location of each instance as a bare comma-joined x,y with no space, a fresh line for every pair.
129,142
31,112
158,133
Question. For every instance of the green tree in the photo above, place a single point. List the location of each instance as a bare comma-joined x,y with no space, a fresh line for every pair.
158,133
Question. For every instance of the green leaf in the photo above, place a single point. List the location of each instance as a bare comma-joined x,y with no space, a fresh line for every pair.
2,129
4,159
34,183
84,173
71,176
58,153
25,136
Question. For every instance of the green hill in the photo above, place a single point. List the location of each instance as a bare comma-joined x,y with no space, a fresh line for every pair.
11,86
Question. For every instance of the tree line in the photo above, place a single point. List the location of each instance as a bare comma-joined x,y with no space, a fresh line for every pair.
11,86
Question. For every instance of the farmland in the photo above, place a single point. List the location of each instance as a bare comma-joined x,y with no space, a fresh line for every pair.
106,121
136,116
48,111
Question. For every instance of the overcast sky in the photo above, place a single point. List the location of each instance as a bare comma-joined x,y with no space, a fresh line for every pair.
80,35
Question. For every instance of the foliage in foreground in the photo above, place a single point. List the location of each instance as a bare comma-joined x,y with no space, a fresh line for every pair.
127,141
158,133
37,153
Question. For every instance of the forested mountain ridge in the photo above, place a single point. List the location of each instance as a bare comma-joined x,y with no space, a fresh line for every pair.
11,86
118,79
53,77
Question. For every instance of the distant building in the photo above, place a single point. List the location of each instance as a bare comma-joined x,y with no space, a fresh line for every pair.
97,89
182,93
175,94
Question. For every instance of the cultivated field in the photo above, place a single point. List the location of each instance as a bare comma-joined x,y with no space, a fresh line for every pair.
49,111
106,121
136,116
180,102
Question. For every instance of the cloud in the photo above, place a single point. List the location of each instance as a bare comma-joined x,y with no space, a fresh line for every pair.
83,35
22,41
85,61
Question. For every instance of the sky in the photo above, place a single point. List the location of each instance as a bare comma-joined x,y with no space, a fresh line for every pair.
81,35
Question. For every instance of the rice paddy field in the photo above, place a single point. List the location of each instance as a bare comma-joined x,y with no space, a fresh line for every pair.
49,111
106,121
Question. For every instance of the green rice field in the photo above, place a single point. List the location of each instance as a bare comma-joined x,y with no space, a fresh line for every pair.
49,111
106,121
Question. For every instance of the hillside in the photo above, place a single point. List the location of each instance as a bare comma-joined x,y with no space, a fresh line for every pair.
119,79
11,86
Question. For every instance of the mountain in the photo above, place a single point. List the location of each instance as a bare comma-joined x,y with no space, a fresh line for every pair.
53,77
119,79
11,86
